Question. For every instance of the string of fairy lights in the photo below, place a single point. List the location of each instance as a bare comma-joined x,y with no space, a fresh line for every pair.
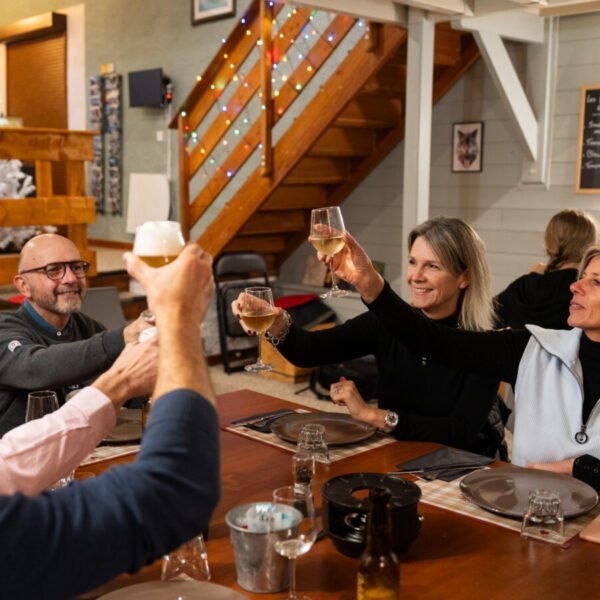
240,118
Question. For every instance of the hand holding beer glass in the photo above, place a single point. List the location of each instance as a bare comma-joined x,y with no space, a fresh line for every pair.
327,236
158,243
258,315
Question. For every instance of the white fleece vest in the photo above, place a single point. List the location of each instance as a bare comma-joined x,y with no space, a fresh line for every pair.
549,400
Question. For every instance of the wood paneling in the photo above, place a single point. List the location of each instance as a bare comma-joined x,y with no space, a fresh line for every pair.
41,143
36,81
39,26
55,210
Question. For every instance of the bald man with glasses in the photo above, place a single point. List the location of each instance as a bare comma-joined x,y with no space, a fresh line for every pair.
48,343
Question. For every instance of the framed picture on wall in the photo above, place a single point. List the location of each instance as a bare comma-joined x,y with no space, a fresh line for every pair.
467,147
207,10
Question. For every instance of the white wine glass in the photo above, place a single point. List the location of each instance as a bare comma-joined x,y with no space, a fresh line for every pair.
40,404
258,315
327,236
298,538
158,243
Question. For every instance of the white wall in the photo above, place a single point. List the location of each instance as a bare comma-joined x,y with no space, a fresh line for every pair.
511,220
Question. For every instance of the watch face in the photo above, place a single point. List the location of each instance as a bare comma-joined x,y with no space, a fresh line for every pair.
391,419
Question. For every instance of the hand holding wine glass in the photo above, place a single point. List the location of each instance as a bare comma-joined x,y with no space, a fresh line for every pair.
327,236
299,537
258,314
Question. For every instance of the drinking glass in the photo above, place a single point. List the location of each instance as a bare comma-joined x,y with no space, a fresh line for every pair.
313,439
40,404
157,243
258,315
189,561
544,518
327,236
297,539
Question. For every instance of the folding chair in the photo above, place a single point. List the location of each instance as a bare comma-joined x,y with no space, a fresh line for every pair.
233,272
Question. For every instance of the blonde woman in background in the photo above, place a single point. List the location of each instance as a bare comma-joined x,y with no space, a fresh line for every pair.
542,296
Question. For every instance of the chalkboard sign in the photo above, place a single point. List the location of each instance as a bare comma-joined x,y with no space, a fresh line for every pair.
588,163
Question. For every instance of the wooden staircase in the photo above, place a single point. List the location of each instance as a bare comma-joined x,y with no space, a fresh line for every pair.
355,120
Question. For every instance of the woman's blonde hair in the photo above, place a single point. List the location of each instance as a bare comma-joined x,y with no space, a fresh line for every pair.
567,236
460,249
591,253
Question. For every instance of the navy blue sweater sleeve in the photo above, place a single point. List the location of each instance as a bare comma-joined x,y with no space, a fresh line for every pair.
489,353
62,543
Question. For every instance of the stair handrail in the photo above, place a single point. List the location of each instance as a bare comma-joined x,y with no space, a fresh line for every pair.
224,70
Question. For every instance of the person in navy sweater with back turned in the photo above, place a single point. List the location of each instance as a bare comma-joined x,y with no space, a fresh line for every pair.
60,544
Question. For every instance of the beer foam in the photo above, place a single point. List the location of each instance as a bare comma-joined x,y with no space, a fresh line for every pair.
158,238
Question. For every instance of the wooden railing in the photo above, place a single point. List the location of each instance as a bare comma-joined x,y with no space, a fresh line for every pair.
224,77
71,211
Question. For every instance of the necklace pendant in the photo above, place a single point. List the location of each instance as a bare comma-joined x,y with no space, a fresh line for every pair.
581,437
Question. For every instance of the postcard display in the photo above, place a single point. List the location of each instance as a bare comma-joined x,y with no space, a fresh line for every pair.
105,116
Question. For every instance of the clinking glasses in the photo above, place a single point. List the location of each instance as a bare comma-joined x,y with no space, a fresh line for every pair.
57,270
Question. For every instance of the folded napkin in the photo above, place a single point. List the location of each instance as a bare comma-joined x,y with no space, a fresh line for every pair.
447,456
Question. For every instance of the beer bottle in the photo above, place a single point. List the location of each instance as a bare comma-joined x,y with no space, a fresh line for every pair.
378,571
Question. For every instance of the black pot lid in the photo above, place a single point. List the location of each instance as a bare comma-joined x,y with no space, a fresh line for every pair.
338,490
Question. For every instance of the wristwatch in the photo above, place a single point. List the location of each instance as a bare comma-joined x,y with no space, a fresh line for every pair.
390,421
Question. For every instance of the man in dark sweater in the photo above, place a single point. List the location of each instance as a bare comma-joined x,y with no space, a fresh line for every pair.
47,343
64,543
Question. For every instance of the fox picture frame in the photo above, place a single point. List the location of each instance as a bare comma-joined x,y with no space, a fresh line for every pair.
467,147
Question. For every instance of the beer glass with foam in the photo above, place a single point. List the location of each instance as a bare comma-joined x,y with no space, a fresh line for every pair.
158,243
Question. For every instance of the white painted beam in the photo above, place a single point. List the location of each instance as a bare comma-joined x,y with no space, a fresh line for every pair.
509,87
513,25
381,11
542,63
417,135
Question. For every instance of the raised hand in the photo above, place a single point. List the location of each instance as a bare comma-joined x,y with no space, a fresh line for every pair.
244,302
352,264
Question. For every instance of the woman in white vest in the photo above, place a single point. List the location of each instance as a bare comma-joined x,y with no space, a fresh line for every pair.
555,374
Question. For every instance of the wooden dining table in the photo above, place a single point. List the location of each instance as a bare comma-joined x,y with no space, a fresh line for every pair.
454,556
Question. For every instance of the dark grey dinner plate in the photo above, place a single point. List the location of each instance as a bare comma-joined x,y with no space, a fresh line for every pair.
340,429
505,490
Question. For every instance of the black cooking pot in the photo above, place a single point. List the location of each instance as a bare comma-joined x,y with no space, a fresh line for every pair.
344,516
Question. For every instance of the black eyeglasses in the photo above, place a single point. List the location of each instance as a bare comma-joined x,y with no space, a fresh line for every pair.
56,271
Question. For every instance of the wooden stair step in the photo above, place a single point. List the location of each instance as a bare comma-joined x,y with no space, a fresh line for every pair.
319,170
344,141
288,197
446,50
371,112
275,222
390,82
263,244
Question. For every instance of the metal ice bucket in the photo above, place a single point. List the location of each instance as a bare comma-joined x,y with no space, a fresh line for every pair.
259,567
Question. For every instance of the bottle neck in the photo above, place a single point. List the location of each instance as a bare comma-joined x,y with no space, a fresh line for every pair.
379,526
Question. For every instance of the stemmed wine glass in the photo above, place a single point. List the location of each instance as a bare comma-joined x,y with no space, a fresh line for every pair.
40,404
296,539
327,236
258,315
158,243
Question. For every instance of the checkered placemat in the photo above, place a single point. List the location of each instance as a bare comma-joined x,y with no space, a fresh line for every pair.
335,453
105,452
448,495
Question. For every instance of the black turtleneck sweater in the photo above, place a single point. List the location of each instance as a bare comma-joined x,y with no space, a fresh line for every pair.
434,402
537,299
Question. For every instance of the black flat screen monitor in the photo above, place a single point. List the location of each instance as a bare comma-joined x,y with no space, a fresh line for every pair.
146,88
